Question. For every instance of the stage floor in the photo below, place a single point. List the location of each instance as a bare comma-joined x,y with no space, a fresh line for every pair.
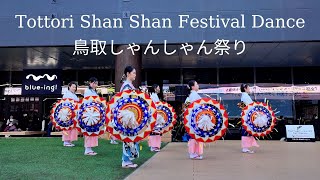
223,160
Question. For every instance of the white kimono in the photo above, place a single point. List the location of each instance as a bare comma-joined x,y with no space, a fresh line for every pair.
160,118
127,86
70,95
193,96
187,100
155,97
90,92
245,98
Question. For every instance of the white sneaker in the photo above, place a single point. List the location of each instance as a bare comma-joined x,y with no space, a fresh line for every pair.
129,165
247,151
68,144
199,157
91,153
113,142
192,156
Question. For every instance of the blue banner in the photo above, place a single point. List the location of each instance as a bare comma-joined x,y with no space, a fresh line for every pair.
41,81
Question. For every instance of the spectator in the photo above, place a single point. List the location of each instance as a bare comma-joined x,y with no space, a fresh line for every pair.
316,125
11,124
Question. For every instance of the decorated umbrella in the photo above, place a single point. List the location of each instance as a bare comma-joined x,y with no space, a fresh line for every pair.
63,114
92,116
258,119
131,115
206,120
166,117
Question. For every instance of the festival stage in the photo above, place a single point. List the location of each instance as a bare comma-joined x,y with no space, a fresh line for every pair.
223,160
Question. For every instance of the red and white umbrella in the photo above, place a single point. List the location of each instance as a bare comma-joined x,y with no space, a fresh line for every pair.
92,116
166,117
63,114
131,115
258,119
206,120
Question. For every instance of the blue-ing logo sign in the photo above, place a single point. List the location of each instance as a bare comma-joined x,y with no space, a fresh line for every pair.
41,82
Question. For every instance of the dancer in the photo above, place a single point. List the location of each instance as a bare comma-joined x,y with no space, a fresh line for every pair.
91,141
247,141
130,151
195,147
71,135
155,137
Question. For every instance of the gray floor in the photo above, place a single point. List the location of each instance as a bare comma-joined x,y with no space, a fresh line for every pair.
274,160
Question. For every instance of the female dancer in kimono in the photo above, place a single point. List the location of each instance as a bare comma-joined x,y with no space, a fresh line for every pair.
195,147
91,141
71,135
130,151
247,141
155,136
